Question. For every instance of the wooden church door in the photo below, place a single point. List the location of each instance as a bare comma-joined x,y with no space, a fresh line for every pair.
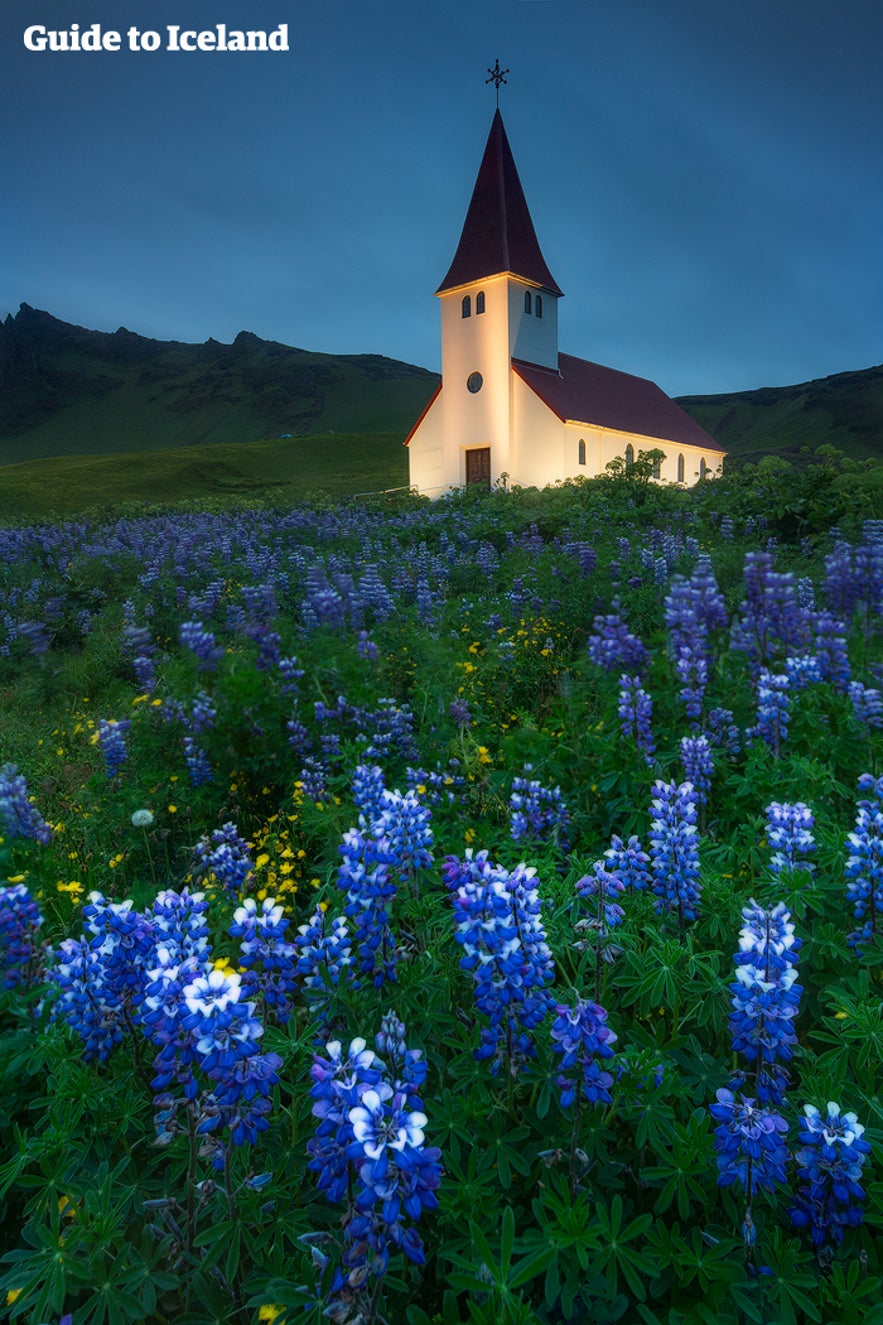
478,466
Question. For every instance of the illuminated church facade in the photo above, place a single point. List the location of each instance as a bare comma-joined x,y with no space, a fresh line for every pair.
510,407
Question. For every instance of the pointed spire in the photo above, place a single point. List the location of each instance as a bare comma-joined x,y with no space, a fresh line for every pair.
498,234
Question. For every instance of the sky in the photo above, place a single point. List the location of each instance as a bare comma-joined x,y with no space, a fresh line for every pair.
704,176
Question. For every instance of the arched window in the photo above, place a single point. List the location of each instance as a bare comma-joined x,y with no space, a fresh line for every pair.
630,454
466,306
538,305
479,302
581,451
703,468
680,469
527,301
657,468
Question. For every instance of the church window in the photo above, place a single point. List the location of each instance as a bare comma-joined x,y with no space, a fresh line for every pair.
479,302
657,468
630,454
538,305
474,383
703,468
527,301
582,451
466,306
680,469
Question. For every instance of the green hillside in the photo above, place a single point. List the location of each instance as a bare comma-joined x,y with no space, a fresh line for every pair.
845,411
286,470
66,391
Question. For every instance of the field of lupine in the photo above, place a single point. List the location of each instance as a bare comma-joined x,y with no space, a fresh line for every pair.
437,913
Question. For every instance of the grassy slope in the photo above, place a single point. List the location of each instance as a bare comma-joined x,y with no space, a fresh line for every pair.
845,411
287,470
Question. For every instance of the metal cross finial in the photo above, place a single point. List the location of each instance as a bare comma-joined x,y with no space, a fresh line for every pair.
497,76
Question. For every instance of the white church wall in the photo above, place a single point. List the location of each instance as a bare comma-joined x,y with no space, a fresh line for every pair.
476,344
533,338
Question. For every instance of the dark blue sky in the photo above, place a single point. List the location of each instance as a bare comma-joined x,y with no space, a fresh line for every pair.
704,175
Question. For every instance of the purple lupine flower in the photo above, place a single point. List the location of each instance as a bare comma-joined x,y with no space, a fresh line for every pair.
497,922
765,999
202,644
829,1167
538,813
261,932
864,863
458,709
112,739
613,646
406,825
324,952
803,671
830,650
698,765
18,817
199,770
773,710
226,856
750,1144
364,875
581,1036
789,833
692,670
19,921
674,850
629,863
366,648
635,712
867,704
368,789
603,885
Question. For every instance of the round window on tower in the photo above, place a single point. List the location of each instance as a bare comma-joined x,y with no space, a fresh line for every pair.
474,382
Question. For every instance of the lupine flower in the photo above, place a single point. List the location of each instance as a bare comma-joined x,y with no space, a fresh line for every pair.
581,1036
864,862
613,646
199,769
750,1144
604,885
674,850
803,671
698,765
773,710
789,833
180,925
226,856
324,952
765,999
629,863
722,731
497,919
635,715
867,704
19,921
829,1167
112,739
364,875
86,1000
261,931
201,643
538,813
18,817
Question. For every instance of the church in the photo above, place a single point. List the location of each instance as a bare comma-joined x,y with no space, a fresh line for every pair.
510,408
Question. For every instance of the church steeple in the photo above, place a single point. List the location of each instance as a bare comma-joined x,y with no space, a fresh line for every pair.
498,234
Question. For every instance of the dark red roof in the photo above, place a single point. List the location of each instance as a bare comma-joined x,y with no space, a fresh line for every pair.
498,234
587,393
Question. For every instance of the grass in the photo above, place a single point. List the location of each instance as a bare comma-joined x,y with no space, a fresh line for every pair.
284,470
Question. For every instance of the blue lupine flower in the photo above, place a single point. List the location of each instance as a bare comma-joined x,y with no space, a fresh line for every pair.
125,941
867,704
698,765
18,817
864,863
604,885
829,1167
613,646
581,1036
86,1000
364,875
19,921
803,671
765,999
180,925
406,826
722,731
750,1144
773,709
112,739
339,1082
202,643
789,833
199,769
629,863
635,712
674,850
324,952
226,856
538,813
497,917
261,931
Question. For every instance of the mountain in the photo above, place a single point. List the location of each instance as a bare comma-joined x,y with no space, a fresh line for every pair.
845,411
67,391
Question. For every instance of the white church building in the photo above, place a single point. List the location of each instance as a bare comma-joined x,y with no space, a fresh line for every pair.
509,404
